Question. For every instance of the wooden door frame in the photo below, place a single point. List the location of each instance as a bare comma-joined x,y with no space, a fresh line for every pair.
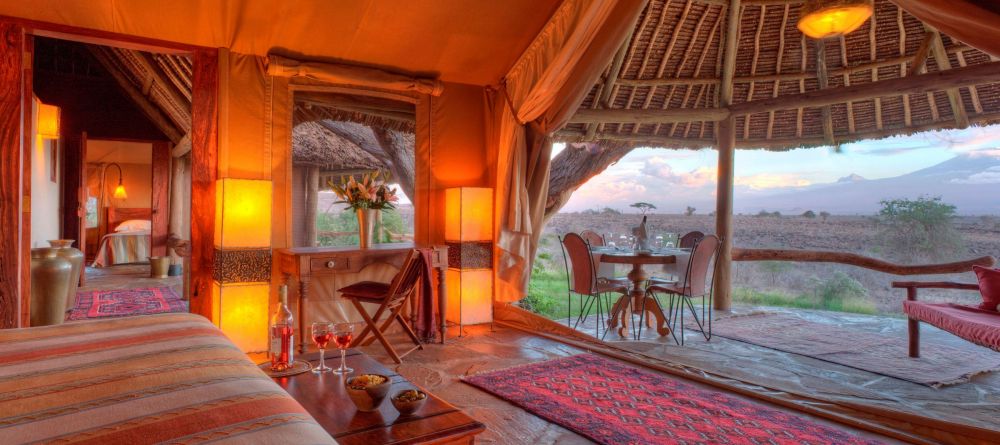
15,96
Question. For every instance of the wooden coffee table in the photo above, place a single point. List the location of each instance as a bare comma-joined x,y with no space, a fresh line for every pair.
437,422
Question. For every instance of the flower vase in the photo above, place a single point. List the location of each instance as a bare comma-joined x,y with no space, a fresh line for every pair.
366,226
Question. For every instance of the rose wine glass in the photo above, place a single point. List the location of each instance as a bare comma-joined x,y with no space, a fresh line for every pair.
322,333
343,333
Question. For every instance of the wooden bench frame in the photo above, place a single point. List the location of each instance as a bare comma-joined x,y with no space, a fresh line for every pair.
911,295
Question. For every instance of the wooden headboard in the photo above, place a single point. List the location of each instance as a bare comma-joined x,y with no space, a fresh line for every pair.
116,216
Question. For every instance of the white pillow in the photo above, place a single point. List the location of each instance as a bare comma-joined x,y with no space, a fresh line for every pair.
135,225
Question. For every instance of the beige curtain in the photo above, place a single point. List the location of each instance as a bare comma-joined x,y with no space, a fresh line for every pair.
973,22
540,93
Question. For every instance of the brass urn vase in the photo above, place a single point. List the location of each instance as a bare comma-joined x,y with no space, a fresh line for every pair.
50,279
75,257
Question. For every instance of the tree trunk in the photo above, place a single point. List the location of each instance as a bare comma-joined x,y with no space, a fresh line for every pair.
574,166
394,149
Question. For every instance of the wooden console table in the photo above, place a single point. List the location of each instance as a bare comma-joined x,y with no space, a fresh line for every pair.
307,263
323,396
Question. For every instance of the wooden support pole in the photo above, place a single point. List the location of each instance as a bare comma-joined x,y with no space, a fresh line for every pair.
204,170
311,204
14,286
723,299
824,83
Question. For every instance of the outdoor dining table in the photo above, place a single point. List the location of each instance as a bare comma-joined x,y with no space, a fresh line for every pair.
638,278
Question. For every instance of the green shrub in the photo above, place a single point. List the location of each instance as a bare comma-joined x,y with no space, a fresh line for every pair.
833,291
809,214
919,229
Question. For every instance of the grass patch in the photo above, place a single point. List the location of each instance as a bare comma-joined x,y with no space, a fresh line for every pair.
781,299
547,296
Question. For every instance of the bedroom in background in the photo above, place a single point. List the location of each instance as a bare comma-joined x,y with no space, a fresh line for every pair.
110,181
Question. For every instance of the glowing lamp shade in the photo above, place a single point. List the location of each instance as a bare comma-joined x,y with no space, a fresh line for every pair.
469,214
831,18
469,235
48,121
242,213
241,312
119,192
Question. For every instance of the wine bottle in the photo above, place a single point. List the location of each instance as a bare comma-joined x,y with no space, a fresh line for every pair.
281,335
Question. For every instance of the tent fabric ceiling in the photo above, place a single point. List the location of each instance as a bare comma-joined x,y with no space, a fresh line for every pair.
472,42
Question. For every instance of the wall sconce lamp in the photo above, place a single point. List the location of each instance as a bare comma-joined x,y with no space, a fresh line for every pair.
242,267
119,192
47,121
469,236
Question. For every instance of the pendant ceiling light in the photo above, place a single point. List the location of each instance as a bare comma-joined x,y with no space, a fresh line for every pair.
820,19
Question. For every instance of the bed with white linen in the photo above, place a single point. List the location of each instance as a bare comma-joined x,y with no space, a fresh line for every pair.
130,240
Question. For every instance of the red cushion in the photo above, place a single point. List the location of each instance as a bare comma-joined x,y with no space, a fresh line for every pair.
969,322
368,290
989,286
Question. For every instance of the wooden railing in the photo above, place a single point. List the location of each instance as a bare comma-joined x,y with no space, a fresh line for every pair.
853,259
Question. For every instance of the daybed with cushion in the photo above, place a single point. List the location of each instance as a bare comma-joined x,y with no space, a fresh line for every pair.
163,378
977,324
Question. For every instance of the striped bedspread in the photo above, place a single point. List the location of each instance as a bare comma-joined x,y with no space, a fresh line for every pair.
123,248
169,378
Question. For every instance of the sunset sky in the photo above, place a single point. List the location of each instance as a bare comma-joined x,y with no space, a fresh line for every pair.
671,178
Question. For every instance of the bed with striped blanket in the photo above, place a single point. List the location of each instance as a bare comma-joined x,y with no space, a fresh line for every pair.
171,378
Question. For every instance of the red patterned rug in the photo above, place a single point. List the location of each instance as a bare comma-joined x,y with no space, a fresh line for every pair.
613,403
125,302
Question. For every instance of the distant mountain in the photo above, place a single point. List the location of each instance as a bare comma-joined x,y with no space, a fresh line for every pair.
971,183
853,177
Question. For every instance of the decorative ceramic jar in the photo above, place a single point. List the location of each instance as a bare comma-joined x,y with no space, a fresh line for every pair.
158,266
366,226
50,279
75,257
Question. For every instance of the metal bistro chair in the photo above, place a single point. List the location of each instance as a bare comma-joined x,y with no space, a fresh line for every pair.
593,238
696,284
391,298
582,280
688,241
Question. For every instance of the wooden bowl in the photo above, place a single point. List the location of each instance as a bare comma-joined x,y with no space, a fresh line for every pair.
408,407
371,396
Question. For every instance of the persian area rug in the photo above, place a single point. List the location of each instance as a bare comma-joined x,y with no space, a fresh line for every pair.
125,302
886,355
613,403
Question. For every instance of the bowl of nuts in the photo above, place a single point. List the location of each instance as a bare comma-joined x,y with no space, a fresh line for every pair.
409,401
367,391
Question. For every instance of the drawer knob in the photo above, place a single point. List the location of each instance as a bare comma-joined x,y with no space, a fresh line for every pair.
331,264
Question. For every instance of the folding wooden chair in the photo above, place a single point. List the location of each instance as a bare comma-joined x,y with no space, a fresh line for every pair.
391,299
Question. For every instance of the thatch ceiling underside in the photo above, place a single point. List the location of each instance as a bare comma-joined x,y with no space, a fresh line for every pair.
674,61
313,145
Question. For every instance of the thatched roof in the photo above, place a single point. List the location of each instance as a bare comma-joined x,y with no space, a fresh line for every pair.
674,61
313,145
370,111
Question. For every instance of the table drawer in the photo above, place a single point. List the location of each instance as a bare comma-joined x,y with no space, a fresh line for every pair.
337,263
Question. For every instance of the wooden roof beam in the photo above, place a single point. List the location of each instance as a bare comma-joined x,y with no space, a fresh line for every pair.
924,83
151,110
654,116
954,98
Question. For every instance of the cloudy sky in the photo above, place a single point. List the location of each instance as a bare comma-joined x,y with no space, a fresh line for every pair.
674,179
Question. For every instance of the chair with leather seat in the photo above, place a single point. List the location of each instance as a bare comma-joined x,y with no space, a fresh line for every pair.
391,298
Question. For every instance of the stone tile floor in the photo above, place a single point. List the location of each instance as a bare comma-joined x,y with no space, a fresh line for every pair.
438,369
127,276
975,403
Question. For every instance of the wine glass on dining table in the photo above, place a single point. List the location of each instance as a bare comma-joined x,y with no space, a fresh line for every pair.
322,333
343,333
